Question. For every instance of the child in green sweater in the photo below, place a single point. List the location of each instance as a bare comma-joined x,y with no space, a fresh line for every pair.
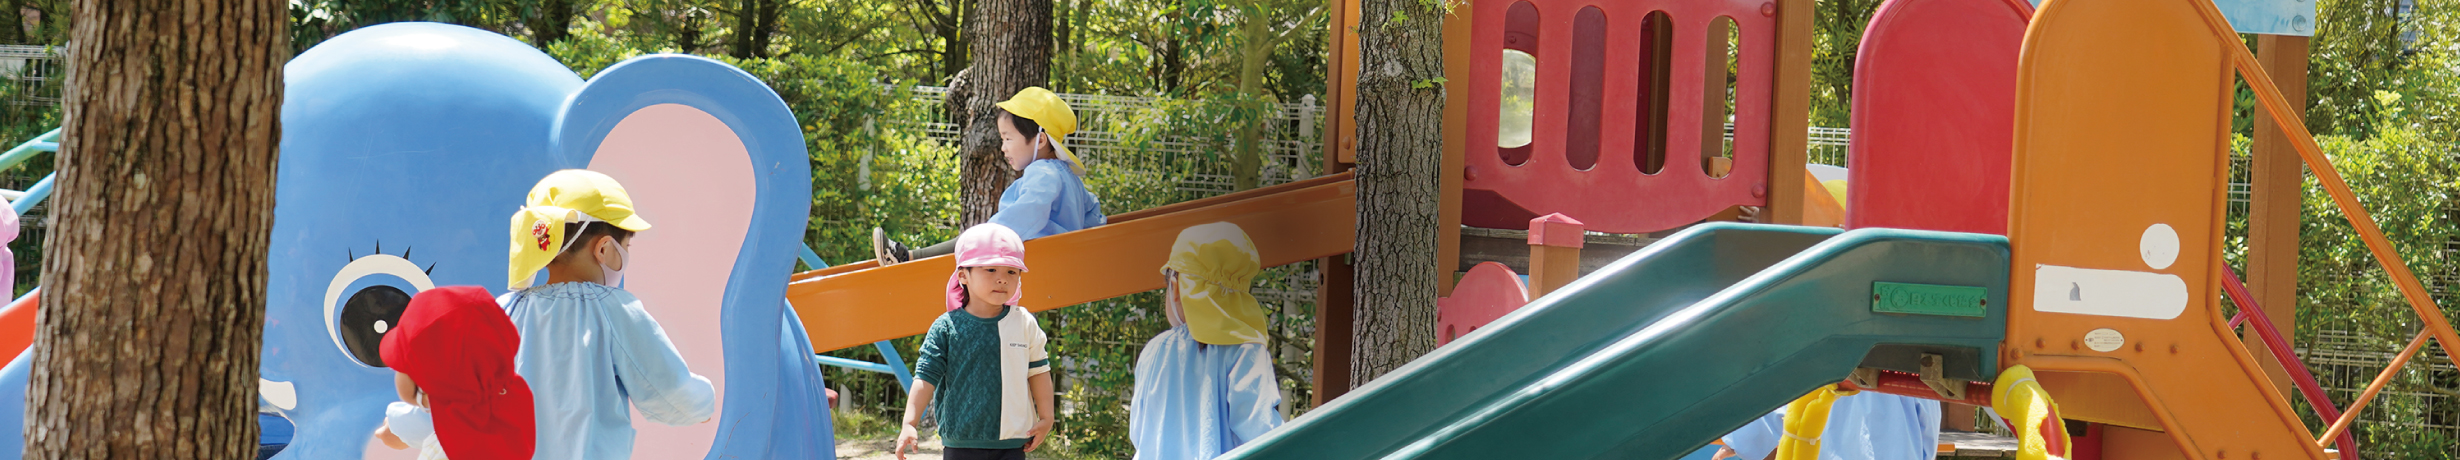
983,363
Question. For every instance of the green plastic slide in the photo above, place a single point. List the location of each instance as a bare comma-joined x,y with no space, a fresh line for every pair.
1662,352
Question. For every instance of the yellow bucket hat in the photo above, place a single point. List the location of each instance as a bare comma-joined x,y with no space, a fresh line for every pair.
1057,120
567,196
1216,264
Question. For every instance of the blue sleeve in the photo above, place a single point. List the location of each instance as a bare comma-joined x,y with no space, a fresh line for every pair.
1026,206
927,360
1756,440
1253,394
654,375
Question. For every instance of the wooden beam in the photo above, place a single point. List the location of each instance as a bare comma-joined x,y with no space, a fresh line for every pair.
1789,132
1289,223
2278,189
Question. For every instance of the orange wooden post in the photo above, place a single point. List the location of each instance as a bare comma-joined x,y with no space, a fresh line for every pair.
1789,132
1554,252
2279,192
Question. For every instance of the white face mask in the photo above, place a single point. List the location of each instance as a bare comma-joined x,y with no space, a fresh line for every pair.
614,278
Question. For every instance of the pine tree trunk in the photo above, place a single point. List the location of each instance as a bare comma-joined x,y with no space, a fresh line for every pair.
1400,153
1012,51
153,308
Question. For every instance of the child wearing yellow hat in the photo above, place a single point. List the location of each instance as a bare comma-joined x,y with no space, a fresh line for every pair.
1049,199
589,349
1206,386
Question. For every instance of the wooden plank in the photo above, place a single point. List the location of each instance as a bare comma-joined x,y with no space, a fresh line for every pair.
1289,223
1789,134
2279,193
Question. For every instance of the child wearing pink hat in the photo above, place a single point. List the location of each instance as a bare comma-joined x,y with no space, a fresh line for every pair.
983,363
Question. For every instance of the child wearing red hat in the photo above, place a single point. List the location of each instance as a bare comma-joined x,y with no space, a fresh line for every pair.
452,356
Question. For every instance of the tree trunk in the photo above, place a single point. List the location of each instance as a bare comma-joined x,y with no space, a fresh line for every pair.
1246,157
1012,51
747,24
1400,153
153,308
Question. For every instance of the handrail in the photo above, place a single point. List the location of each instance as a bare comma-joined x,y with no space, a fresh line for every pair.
2342,424
2271,337
2268,95
48,142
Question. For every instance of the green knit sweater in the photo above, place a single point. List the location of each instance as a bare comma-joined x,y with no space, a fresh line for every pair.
960,357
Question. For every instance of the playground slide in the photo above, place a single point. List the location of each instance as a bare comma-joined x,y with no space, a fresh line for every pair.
861,303
1662,352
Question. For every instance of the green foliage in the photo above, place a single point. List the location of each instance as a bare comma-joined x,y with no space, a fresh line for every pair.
1836,39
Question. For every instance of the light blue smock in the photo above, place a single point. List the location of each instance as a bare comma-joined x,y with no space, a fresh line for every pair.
1862,426
1048,200
1193,402
591,353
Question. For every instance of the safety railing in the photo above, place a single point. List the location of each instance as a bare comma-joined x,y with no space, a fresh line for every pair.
2437,326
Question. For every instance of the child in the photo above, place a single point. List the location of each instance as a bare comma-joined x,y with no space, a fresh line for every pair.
1206,386
1050,199
452,358
589,343
983,363
1866,425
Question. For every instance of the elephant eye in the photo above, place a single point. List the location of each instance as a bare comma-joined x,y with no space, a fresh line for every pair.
365,301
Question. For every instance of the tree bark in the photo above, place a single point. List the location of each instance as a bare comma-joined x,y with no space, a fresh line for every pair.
153,312
1400,155
1247,158
755,24
1012,51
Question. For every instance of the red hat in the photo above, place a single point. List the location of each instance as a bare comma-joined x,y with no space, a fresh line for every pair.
458,346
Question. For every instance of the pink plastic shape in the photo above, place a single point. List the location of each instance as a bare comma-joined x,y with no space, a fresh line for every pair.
1557,230
1489,291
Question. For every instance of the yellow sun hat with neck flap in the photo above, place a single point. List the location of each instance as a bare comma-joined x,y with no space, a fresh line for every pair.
566,197
1053,115
1216,264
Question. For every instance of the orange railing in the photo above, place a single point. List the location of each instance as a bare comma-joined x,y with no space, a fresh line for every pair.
2298,374
2266,94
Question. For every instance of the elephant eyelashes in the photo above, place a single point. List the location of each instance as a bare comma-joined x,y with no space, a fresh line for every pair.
366,298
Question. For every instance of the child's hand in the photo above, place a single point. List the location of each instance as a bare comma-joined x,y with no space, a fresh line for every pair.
385,434
1041,432
906,440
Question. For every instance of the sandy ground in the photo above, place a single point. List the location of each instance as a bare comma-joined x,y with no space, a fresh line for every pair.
878,449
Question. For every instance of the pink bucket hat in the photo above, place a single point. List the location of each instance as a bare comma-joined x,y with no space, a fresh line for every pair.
986,245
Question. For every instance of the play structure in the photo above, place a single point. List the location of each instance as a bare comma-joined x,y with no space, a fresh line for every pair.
2032,223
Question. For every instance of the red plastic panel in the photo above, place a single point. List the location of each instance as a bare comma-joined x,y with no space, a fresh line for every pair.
1934,115
1588,87
1614,195
1489,291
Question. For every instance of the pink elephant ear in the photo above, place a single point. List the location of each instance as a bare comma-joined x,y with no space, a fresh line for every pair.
8,221
690,176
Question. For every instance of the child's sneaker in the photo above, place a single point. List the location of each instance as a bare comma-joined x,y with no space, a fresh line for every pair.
886,251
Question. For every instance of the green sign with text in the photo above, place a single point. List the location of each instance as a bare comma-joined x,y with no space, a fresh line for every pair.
1930,299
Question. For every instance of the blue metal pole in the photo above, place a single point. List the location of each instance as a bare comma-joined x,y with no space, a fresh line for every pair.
888,351
34,195
48,142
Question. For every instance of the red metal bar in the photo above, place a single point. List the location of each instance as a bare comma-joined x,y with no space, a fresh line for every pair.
2305,379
